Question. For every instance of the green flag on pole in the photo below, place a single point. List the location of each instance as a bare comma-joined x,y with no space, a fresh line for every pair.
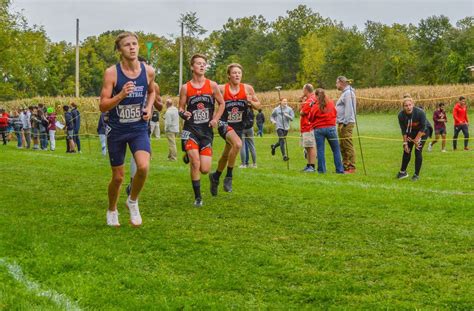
149,45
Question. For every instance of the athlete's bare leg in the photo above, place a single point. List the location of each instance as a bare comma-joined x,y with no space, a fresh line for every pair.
311,154
443,142
231,150
114,186
222,163
206,162
142,160
194,164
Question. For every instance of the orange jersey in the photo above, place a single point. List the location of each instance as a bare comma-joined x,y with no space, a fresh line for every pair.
200,102
235,106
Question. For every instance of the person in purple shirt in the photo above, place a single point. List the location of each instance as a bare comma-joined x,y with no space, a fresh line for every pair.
440,120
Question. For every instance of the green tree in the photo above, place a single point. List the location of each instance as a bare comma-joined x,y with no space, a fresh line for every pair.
432,49
289,30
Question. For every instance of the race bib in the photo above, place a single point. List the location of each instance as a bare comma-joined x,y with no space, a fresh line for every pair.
185,135
130,113
235,116
201,116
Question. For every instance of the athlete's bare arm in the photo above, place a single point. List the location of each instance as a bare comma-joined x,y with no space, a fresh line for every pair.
222,88
182,102
150,72
252,97
158,103
108,102
220,101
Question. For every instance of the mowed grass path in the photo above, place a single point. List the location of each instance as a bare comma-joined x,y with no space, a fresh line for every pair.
281,240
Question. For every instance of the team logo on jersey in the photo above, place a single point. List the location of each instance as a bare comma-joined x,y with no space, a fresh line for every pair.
235,110
200,106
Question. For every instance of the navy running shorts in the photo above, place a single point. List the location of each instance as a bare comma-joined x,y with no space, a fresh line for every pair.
117,145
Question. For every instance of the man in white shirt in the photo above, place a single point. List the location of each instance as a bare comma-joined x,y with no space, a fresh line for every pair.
171,128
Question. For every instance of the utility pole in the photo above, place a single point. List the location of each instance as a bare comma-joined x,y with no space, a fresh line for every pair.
77,57
181,58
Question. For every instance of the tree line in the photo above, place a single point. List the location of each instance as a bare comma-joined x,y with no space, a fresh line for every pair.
301,46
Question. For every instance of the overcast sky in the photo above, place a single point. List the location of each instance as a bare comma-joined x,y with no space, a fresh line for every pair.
160,16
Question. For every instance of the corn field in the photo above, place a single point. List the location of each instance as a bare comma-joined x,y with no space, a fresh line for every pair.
370,100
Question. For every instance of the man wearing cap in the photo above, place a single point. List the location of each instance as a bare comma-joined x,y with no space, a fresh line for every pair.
346,118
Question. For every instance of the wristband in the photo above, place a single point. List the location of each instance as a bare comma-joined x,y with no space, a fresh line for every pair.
182,116
405,143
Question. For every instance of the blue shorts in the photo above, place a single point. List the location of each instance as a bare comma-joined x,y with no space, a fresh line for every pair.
117,145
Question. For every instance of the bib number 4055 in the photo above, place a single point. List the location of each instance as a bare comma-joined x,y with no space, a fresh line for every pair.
130,113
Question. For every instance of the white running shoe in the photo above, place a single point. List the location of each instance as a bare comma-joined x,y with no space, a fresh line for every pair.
112,218
254,165
444,150
135,217
243,166
430,147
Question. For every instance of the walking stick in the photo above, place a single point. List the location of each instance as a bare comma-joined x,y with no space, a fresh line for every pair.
357,128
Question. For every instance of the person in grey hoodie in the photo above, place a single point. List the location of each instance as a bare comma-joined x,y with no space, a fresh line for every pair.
282,116
346,118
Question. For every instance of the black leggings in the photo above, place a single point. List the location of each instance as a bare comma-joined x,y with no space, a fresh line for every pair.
465,132
281,140
418,157
3,132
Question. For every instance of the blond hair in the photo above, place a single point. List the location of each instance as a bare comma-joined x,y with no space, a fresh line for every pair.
229,67
122,36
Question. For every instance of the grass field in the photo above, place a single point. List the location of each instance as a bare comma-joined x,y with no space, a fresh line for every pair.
281,240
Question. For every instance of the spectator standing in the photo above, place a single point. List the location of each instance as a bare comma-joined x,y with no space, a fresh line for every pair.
461,122
155,124
248,143
17,125
76,115
323,116
101,130
69,129
171,128
35,127
281,116
308,141
3,125
51,128
26,120
43,129
346,118
260,121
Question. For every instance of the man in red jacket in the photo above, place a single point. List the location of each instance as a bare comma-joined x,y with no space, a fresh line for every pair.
461,122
